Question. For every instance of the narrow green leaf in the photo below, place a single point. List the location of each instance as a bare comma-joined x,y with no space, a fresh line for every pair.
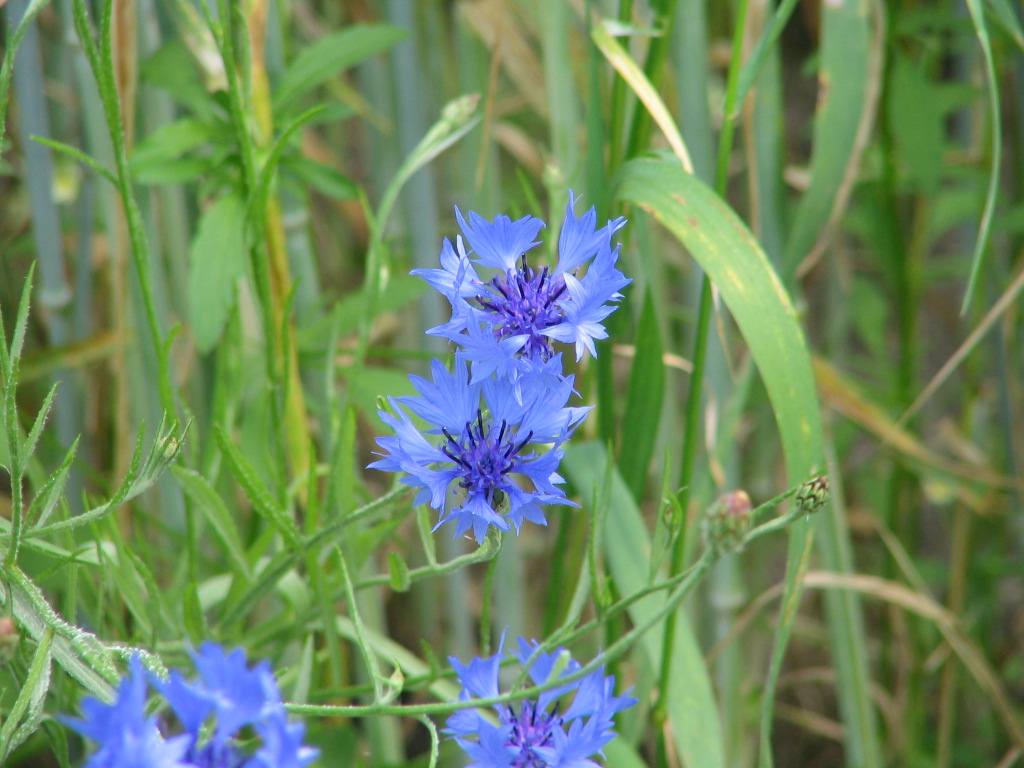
140,477
256,212
1007,19
729,254
173,69
996,147
32,439
24,717
171,141
399,571
216,512
329,56
260,498
755,62
10,49
46,498
195,621
21,322
79,653
322,178
184,170
304,676
216,260
643,402
77,154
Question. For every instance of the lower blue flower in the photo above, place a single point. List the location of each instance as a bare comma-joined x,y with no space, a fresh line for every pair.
563,728
489,435
212,710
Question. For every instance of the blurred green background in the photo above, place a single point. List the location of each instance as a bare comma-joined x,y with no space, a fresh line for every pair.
222,203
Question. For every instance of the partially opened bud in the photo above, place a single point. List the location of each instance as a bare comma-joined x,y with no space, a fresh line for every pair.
813,494
727,522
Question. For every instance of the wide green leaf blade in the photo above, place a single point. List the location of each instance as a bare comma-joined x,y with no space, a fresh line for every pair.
216,261
753,293
739,269
329,56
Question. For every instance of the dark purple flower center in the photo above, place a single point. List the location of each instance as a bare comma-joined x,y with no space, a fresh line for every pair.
484,453
531,729
222,754
523,303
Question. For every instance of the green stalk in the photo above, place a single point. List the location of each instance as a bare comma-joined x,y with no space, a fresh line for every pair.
101,61
562,102
681,586
693,402
654,70
618,109
690,56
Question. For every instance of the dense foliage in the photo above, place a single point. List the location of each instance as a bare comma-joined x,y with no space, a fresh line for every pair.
345,342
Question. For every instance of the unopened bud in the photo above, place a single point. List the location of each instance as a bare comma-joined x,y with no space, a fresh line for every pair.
812,494
727,522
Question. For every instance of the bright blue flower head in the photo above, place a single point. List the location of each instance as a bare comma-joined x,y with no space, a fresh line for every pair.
510,319
563,728
487,439
228,696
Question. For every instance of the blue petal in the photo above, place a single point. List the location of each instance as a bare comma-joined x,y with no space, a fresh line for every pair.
500,243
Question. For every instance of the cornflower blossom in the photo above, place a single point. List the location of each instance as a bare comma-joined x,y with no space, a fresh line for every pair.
488,439
546,733
508,318
238,698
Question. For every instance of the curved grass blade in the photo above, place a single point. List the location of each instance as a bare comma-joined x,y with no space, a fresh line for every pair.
7,67
728,252
846,110
996,144
735,263
29,704
645,91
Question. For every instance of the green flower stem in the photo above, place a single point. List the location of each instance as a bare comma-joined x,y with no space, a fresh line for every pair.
369,658
681,585
487,600
567,634
483,554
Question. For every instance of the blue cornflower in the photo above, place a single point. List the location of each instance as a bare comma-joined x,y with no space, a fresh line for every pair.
508,318
227,691
491,431
546,733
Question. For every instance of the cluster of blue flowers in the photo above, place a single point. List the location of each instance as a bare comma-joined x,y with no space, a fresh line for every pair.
500,414
218,713
497,418
536,734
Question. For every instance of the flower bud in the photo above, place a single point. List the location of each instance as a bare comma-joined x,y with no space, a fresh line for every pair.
727,522
812,494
